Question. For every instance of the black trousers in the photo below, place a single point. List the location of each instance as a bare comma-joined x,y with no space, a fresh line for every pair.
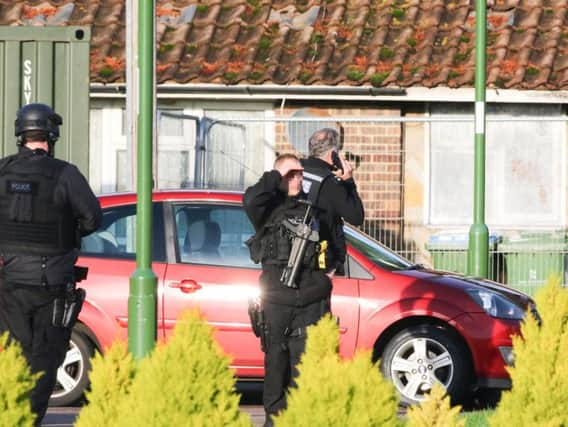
25,312
284,349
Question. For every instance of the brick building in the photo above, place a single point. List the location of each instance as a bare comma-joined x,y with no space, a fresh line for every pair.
247,64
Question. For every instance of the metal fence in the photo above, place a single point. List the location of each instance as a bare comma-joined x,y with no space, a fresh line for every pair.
415,175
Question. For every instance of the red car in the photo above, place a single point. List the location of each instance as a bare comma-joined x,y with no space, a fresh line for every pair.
426,326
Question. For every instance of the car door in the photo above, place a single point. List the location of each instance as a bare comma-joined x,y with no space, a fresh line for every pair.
213,273
110,255
345,306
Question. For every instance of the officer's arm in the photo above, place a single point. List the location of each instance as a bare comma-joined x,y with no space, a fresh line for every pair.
346,201
258,199
75,190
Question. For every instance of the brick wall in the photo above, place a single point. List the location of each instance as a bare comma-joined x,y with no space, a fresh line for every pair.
379,176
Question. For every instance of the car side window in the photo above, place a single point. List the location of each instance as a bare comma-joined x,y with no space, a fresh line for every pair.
116,237
355,270
213,235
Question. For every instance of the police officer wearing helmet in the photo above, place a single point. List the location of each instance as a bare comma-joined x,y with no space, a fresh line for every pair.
275,199
46,206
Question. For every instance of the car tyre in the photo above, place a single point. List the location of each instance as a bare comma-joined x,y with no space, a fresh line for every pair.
418,356
73,374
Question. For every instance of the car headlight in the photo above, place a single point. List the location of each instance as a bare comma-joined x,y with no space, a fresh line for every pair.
496,305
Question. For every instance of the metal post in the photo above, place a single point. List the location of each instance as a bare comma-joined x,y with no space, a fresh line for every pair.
143,282
478,233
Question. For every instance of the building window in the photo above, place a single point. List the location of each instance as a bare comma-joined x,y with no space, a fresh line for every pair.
176,149
232,156
525,164
235,149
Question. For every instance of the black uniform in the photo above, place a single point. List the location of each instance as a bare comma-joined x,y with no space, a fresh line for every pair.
287,311
337,200
46,206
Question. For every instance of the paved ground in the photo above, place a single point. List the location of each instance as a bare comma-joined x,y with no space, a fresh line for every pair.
251,403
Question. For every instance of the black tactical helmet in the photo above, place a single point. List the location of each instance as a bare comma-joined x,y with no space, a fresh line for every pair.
39,117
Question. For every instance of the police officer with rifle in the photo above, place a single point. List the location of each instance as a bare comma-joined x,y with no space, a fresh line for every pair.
46,206
296,278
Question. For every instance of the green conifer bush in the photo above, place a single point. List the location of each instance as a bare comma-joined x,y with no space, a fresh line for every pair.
16,384
185,382
436,411
540,375
111,378
335,392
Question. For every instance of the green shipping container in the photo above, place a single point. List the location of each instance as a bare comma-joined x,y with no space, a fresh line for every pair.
532,257
48,65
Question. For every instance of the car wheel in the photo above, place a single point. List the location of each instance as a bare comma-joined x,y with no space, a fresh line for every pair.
418,357
73,374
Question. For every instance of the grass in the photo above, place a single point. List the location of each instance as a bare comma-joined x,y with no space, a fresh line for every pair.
477,418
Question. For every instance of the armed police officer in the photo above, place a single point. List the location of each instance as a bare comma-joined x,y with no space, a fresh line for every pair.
277,206
46,206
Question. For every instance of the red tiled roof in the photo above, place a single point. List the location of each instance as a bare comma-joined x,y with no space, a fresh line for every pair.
395,43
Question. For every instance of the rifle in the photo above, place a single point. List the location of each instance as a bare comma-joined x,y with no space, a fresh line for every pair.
302,233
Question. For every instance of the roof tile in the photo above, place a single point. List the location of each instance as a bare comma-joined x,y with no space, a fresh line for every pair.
335,42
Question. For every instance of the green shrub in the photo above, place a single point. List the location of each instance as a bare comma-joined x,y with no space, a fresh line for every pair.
540,374
15,386
436,411
335,392
111,378
477,418
186,382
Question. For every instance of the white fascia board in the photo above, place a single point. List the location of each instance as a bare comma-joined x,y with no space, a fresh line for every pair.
335,93
444,94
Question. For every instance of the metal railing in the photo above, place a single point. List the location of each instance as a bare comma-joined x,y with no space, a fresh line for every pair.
407,165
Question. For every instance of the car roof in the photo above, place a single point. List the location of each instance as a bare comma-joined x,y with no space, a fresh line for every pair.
116,199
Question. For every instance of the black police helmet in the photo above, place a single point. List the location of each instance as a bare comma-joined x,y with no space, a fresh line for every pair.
38,117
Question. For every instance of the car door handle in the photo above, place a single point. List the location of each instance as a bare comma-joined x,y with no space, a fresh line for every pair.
186,286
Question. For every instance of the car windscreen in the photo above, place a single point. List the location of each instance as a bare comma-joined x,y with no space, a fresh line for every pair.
379,254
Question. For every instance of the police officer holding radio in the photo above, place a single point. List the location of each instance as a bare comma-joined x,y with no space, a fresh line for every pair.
286,218
46,206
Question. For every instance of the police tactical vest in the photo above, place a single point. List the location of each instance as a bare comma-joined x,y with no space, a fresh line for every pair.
30,222
312,182
273,243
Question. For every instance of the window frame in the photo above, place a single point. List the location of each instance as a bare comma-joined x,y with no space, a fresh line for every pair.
158,238
559,199
174,255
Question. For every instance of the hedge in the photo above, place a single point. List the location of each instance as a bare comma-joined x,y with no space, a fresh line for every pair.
16,386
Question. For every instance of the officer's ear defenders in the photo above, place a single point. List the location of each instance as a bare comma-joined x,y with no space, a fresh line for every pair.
53,122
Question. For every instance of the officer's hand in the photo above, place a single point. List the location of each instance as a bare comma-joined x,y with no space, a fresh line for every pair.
287,166
346,171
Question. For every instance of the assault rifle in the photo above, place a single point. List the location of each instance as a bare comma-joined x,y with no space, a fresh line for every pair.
302,233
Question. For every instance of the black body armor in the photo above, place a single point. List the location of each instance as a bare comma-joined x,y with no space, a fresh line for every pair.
273,243
30,222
